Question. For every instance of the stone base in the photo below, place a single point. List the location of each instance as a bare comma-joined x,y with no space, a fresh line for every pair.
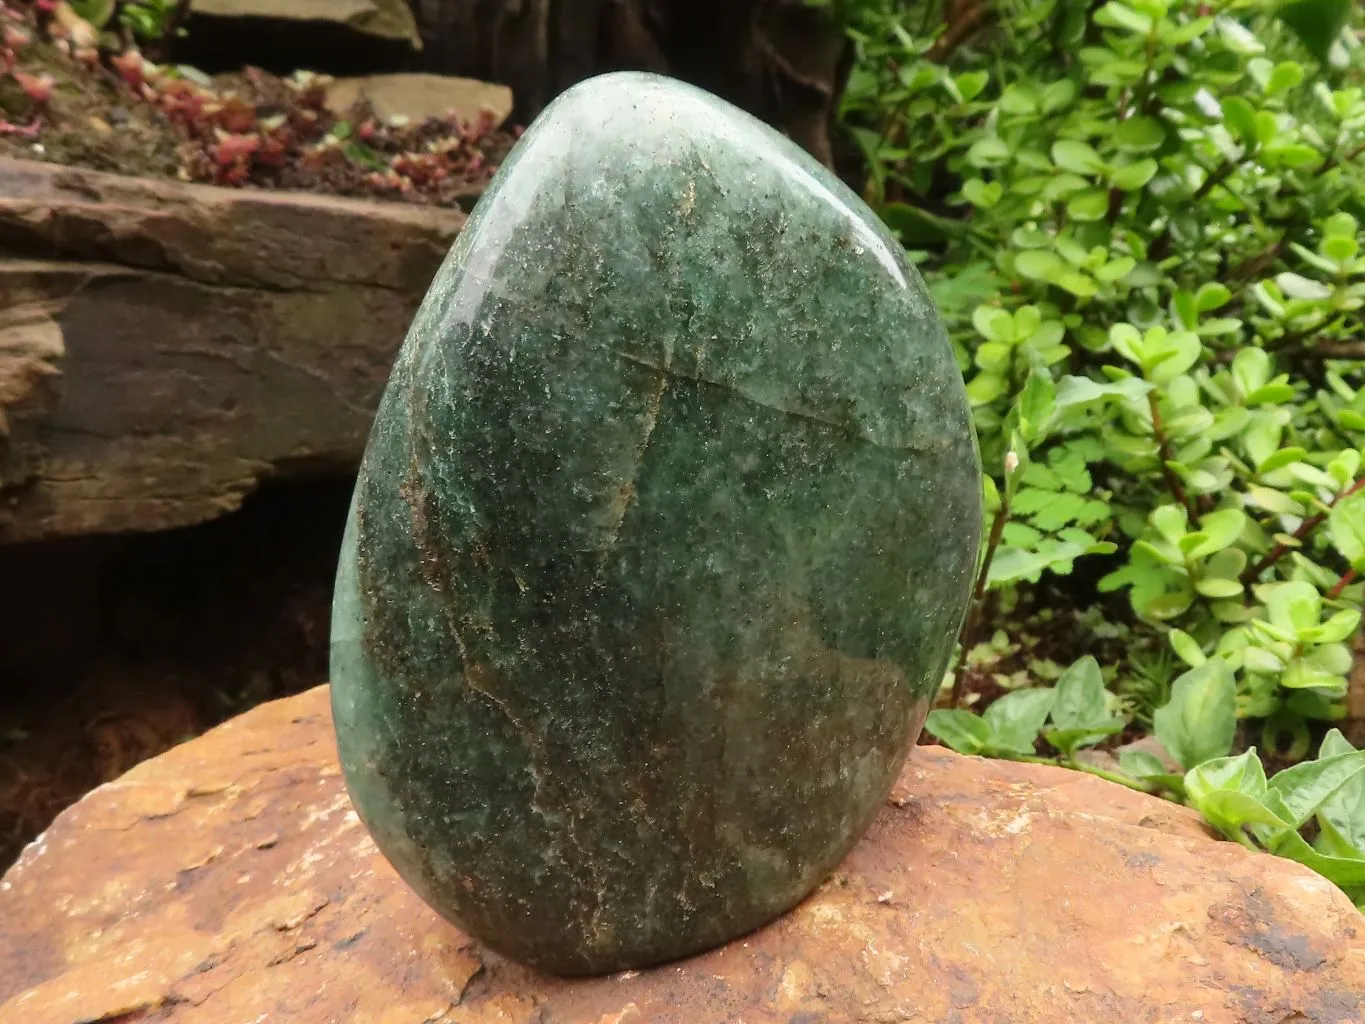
229,880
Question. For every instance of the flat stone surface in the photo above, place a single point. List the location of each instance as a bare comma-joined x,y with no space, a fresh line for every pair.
418,96
388,19
228,881
665,528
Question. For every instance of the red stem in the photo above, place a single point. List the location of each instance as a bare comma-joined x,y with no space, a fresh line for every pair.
1164,452
1305,528
1341,584
967,638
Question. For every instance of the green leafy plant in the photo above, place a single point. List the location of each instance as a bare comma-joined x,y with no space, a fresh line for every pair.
1197,723
147,20
152,19
1142,223
1313,812
97,12
1076,713
1324,798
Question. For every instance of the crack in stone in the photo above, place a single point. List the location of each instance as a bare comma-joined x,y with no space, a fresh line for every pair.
849,430
593,930
298,950
626,492
533,766
479,679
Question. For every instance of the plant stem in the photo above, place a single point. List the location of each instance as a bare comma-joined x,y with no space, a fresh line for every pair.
1346,579
1241,838
1109,776
1145,95
1249,268
1164,451
1332,161
966,19
1219,175
1081,766
1355,687
1336,350
1305,528
1161,245
1286,341
967,638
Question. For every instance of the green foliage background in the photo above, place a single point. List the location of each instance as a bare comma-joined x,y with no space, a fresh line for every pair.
1142,223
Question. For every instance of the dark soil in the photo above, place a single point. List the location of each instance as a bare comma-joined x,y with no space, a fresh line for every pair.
117,648
116,112
92,121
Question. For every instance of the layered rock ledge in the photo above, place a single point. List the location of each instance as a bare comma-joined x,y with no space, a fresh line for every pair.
165,347
229,880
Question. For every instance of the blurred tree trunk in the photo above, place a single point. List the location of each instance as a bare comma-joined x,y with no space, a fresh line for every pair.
1353,726
781,60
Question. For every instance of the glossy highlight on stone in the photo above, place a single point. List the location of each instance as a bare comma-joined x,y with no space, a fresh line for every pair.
662,538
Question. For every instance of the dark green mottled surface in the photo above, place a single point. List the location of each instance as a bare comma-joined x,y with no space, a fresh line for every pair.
661,541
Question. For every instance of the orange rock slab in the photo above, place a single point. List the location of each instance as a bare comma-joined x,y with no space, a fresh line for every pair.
228,880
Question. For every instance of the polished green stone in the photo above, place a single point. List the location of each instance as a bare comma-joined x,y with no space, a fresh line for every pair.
661,542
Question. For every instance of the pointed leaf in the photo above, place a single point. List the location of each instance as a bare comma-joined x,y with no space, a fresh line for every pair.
1304,787
1016,719
1077,391
1244,774
1080,711
1344,809
961,730
1200,719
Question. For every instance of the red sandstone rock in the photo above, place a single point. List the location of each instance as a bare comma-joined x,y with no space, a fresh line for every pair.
229,881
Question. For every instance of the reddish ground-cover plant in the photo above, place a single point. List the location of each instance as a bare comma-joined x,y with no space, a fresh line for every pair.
255,128
23,96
